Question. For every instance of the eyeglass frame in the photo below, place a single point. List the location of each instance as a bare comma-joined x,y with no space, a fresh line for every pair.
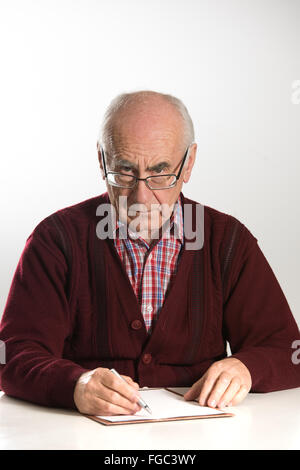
145,179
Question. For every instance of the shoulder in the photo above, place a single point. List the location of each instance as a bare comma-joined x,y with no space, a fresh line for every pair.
83,211
70,225
78,214
223,232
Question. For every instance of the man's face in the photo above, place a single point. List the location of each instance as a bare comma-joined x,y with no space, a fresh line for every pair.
147,142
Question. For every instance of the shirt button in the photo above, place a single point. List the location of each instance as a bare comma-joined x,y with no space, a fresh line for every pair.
147,358
136,325
149,308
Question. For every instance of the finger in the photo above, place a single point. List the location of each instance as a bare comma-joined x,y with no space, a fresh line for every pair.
105,385
92,404
194,391
115,398
219,388
131,382
105,408
240,396
230,392
207,387
125,389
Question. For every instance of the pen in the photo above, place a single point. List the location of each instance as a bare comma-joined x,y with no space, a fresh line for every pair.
141,401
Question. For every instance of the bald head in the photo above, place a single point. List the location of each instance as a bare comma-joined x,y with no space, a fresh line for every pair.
147,116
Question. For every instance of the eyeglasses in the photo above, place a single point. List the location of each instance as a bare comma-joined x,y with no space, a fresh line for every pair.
121,180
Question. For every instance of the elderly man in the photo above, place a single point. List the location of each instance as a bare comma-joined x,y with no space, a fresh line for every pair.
140,297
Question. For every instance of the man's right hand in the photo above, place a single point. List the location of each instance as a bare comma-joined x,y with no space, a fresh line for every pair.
100,392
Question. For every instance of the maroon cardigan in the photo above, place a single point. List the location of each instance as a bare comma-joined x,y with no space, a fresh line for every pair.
71,308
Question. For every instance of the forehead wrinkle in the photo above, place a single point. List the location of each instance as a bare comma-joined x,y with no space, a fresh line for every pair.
152,142
147,149
147,154
134,147
123,161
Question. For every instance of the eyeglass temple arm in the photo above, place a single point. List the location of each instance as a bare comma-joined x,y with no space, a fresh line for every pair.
103,160
183,162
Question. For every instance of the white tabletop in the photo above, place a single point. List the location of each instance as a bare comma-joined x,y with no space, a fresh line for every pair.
261,421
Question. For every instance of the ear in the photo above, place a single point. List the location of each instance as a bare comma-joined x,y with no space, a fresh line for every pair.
100,160
191,160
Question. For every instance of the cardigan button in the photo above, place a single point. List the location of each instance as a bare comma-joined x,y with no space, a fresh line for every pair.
136,324
147,358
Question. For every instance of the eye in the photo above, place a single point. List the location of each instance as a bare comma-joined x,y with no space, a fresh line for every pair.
160,169
124,169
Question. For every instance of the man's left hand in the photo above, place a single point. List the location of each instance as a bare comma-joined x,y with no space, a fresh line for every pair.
225,383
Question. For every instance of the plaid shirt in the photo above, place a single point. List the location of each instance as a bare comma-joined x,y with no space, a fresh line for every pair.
151,268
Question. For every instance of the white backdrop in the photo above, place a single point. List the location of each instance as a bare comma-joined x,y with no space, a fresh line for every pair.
234,63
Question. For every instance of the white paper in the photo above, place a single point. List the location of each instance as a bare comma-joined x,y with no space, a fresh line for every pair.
165,404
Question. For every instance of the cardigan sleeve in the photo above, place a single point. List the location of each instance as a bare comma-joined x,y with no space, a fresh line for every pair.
35,324
258,322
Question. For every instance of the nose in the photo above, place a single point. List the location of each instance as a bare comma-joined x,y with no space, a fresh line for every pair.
143,194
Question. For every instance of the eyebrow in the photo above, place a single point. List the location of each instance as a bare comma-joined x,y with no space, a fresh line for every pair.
124,162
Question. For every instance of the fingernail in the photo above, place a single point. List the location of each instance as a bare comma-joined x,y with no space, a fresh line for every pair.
212,403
